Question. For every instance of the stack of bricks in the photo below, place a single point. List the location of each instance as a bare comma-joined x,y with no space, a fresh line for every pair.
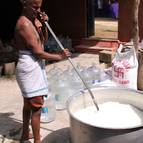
106,57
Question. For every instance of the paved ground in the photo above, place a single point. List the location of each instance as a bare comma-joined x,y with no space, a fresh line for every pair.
11,107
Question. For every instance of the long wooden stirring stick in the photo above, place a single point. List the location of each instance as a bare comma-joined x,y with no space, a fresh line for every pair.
69,59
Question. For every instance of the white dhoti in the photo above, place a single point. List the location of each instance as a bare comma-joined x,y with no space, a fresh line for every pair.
31,75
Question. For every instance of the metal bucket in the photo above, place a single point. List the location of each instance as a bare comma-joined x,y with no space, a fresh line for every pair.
82,132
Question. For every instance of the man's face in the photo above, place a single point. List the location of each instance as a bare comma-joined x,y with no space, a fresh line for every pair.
34,6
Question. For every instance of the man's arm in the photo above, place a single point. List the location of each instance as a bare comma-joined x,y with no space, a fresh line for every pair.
31,38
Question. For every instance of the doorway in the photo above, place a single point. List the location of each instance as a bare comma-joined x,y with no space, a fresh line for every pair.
106,19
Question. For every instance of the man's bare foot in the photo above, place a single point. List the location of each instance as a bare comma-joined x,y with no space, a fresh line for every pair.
37,141
30,136
27,137
25,141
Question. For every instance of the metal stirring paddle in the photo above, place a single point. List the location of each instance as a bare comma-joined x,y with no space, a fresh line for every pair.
69,59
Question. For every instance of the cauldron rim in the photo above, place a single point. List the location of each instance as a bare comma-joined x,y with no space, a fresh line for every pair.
100,127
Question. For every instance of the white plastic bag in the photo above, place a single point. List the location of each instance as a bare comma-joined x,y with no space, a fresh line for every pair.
125,67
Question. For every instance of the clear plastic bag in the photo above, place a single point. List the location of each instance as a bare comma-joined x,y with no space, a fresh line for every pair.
125,67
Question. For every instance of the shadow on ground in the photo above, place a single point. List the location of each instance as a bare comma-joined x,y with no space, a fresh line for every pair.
132,137
58,136
10,128
63,136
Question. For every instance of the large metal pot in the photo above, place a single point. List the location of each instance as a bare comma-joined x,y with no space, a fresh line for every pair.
82,132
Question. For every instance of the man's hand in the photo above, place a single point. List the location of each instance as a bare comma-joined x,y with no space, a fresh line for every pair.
65,53
43,17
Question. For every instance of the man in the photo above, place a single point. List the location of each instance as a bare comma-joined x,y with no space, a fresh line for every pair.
30,70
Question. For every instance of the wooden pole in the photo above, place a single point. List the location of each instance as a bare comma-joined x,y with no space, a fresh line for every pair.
135,30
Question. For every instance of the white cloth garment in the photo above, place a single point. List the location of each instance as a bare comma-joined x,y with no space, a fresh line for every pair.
31,75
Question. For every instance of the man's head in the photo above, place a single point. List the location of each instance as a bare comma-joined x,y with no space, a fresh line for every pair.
32,6
35,4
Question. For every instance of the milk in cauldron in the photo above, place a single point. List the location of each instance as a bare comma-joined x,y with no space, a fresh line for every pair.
113,115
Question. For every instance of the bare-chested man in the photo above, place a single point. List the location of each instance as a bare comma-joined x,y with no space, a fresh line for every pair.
30,70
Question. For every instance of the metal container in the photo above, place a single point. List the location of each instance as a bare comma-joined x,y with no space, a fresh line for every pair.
82,132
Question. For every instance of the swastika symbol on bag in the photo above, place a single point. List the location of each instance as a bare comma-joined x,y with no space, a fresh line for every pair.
118,72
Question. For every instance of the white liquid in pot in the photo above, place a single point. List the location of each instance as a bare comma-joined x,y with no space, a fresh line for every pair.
111,115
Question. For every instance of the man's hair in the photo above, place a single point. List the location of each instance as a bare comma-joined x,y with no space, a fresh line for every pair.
25,1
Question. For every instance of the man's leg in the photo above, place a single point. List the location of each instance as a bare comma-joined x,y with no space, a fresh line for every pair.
35,122
36,105
26,120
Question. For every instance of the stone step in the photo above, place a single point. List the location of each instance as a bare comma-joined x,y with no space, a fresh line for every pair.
99,42
92,49
90,45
